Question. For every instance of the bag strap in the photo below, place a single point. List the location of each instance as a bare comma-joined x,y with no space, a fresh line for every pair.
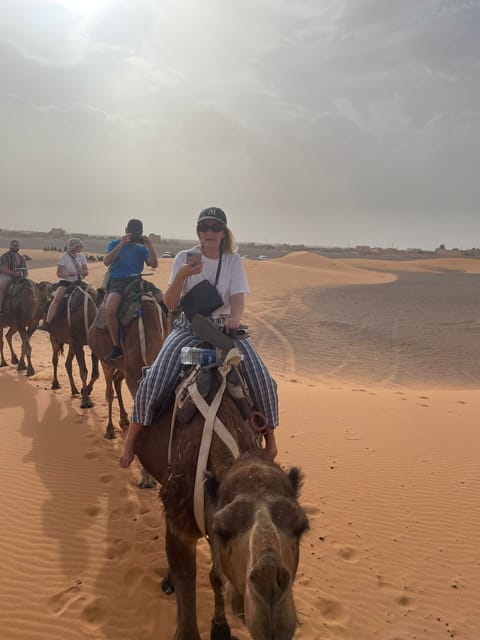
217,275
77,266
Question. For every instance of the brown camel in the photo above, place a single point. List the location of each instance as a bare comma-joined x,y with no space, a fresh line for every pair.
252,520
70,325
44,288
144,328
23,309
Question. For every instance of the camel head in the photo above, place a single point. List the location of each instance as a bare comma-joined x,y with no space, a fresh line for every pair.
256,527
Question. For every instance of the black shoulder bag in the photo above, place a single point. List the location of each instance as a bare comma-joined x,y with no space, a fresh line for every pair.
202,299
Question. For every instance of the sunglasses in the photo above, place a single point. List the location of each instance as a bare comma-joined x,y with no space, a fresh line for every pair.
216,227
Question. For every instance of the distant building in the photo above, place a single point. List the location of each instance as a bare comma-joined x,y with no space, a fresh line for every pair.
56,232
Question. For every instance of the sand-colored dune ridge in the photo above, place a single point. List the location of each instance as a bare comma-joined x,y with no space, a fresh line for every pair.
391,470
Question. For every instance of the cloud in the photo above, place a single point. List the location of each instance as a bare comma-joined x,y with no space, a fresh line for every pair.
322,115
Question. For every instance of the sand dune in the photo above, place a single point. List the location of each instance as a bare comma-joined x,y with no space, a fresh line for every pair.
391,485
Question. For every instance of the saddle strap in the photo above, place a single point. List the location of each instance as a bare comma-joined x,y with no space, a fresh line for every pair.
86,298
141,330
232,357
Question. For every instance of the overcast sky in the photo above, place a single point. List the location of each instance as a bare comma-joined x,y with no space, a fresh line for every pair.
327,122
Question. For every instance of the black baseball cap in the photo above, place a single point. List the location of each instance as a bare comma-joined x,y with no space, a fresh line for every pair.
213,213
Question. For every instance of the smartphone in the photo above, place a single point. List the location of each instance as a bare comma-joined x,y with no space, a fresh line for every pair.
194,258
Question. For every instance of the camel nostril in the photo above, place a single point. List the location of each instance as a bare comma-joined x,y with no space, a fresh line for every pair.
283,578
269,579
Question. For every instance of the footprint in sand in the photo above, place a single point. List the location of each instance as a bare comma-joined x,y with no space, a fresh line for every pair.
347,553
91,455
106,478
405,601
332,611
93,511
118,548
96,613
128,510
132,578
60,602
461,402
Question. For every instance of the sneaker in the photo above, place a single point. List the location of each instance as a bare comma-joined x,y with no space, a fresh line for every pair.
44,327
115,354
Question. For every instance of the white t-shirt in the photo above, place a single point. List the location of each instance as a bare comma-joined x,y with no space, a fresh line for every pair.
232,278
67,260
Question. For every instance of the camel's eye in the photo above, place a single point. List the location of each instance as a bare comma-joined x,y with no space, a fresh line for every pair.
289,517
233,519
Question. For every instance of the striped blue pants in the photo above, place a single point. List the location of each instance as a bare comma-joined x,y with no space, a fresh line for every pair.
160,381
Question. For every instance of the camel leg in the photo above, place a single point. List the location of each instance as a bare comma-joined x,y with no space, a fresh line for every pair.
95,374
27,350
68,367
80,355
147,481
55,351
109,372
117,381
220,629
13,356
181,560
2,356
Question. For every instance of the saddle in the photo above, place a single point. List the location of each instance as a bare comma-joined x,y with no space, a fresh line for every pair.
203,376
130,306
16,285
72,297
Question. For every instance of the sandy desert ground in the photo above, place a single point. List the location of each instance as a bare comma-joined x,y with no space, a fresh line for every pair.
378,369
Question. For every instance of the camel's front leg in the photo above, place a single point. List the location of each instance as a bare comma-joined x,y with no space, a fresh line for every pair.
13,356
108,373
68,367
55,351
117,381
220,629
95,374
27,350
181,560
2,357
80,355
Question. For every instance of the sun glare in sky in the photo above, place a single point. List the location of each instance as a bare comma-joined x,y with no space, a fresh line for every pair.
86,8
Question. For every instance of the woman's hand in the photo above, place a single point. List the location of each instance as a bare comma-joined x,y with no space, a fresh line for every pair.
191,269
231,323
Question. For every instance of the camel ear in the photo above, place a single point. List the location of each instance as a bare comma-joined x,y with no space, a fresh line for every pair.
296,480
211,487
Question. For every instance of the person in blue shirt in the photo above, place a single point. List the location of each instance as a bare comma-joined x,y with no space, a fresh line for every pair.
125,259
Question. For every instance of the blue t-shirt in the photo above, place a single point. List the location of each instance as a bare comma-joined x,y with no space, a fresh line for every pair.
129,261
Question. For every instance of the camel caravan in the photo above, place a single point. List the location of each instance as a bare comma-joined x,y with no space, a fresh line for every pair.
208,446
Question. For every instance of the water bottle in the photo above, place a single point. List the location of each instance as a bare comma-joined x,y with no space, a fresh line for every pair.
196,355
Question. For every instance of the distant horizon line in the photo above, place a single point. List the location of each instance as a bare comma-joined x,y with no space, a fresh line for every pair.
245,243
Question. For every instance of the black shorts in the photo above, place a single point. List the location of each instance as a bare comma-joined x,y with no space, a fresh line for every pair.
118,285
67,283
